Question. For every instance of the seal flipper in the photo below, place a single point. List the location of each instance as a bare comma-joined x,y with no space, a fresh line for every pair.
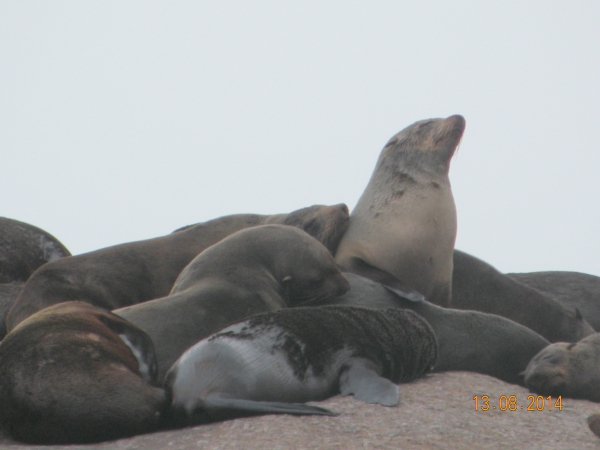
361,380
215,408
360,267
139,343
407,293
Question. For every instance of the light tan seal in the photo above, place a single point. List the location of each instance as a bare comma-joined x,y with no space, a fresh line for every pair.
403,228
135,272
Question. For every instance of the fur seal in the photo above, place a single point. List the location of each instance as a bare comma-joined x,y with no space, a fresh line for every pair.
567,369
255,270
479,286
297,355
134,272
8,294
73,373
403,228
24,248
467,340
572,289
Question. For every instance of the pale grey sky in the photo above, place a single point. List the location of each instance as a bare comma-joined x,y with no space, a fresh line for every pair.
122,121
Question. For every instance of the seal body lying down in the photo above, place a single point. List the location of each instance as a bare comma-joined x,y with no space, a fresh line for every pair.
301,354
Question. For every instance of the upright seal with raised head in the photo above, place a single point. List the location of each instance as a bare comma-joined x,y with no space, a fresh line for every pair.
403,228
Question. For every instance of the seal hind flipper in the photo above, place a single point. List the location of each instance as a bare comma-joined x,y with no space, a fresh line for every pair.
215,408
216,404
361,380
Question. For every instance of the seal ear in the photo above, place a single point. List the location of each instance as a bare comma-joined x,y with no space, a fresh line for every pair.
138,342
578,315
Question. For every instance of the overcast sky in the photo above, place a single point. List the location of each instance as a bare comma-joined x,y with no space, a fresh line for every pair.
122,121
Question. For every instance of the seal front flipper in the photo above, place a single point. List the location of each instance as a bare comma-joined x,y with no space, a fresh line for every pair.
407,293
361,380
360,267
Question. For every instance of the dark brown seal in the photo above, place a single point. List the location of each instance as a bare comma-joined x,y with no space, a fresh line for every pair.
298,355
567,369
480,287
403,228
572,289
24,248
132,273
73,373
256,270
467,340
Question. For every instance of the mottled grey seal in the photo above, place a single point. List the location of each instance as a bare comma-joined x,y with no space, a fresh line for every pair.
480,287
256,270
8,294
73,373
403,228
297,355
567,369
134,272
24,248
572,289
467,340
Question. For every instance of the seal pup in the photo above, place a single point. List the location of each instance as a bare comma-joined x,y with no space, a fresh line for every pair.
480,287
24,248
74,373
467,340
572,289
403,228
255,270
134,272
567,369
297,355
8,294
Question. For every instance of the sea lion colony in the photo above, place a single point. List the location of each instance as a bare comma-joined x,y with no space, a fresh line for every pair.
72,371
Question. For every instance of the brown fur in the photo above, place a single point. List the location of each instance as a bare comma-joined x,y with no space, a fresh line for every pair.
67,377
135,272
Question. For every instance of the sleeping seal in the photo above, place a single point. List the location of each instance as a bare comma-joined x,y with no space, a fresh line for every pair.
291,356
73,373
134,272
24,248
567,369
572,289
256,270
467,340
480,287
403,228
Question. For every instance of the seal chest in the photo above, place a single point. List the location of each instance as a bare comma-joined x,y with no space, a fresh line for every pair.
403,228
297,355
